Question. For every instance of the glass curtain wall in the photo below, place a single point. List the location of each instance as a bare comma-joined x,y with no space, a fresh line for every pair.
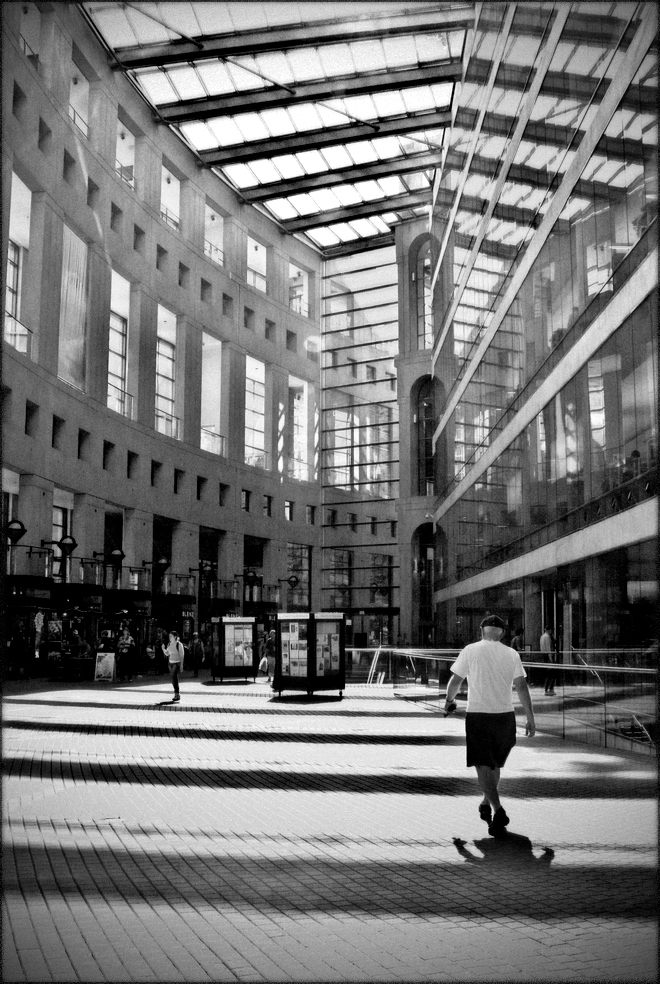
359,440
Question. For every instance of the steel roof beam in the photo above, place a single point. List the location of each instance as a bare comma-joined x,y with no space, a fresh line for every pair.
345,175
255,100
326,137
391,204
358,246
297,36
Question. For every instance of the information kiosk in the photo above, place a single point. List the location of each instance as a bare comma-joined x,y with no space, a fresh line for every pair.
310,652
238,655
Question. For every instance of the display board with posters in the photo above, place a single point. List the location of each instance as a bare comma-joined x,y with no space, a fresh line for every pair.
310,653
238,655
105,667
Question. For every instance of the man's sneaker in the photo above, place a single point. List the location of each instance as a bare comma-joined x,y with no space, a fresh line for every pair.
497,827
175,698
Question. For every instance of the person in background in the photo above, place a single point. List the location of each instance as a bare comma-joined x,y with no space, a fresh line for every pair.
174,655
125,654
491,669
549,655
196,653
270,653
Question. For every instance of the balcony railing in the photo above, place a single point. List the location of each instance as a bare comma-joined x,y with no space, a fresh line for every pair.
29,561
177,584
167,423
221,590
17,335
298,469
209,440
257,459
171,218
126,173
298,304
214,253
120,401
256,279
31,55
79,120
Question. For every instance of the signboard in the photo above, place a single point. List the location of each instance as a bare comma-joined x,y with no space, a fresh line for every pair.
105,667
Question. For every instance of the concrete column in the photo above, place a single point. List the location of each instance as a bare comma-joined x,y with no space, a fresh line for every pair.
138,537
233,392
279,436
98,330
88,524
230,560
35,510
49,263
189,396
146,363
185,547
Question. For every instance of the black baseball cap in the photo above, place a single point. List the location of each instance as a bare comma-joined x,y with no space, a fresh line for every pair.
493,620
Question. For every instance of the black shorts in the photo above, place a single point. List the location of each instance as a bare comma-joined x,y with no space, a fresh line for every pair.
489,738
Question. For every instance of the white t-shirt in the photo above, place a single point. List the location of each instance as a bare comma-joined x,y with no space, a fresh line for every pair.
490,668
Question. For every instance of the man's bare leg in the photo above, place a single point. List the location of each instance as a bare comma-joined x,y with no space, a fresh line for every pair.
488,780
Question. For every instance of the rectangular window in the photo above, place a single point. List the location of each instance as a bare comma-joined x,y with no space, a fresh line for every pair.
352,522
213,235
20,208
298,290
267,508
310,515
79,101
298,568
120,296
288,510
170,197
255,412
245,500
61,527
73,310
211,438
256,264
298,411
125,154
166,422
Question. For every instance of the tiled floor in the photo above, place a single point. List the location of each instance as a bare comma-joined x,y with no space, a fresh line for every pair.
237,836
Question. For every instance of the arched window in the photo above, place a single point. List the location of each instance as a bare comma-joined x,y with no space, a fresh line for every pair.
425,414
424,297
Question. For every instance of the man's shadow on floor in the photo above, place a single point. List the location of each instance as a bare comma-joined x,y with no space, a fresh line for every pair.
505,850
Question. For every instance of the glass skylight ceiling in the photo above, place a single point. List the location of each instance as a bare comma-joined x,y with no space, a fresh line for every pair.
257,89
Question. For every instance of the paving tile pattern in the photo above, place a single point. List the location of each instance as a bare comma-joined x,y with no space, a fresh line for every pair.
240,837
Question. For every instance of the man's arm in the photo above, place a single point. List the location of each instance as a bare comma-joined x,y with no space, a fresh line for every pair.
453,687
520,683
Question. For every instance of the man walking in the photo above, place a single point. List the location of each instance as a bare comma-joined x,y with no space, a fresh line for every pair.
491,670
549,655
174,655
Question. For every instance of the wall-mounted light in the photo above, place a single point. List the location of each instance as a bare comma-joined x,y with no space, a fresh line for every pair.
75,80
15,529
67,545
122,135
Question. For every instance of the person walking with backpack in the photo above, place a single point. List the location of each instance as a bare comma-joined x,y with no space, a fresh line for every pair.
174,655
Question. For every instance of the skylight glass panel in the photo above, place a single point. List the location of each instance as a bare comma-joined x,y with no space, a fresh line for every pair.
363,152
305,64
347,195
323,237
274,65
390,217
337,59
442,93
282,208
312,161
252,127
324,199
370,190
225,132
400,51
306,117
456,39
364,227
387,147
147,30
216,76
345,232
242,79
431,47
337,156
289,166
389,103
114,25
381,226
199,135
276,122
304,204
186,83
367,56
241,175
417,100
157,87
391,185
265,170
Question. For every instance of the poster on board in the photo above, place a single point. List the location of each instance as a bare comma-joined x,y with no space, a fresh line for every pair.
105,667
